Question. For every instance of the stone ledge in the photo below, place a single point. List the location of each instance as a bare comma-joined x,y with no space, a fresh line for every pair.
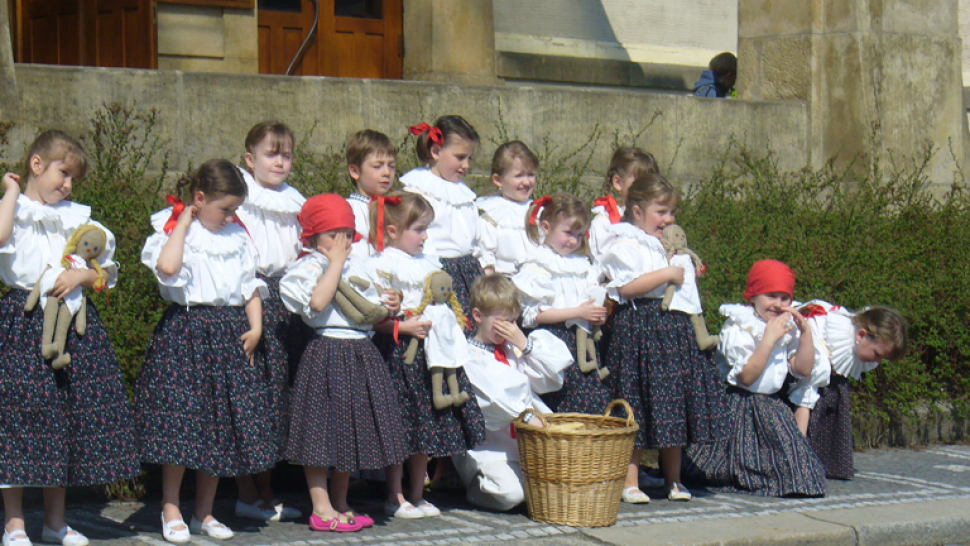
547,68
926,425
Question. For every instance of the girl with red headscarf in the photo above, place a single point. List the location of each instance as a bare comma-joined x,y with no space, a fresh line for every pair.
344,413
763,344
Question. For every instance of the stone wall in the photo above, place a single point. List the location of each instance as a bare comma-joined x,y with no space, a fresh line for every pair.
208,115
207,39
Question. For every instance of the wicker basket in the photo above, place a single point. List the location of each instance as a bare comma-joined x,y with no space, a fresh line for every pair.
575,476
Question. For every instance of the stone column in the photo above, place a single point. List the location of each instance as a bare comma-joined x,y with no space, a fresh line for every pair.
881,78
449,41
9,99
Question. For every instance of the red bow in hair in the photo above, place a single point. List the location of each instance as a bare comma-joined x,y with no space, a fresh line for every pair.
536,205
177,207
434,133
379,244
611,207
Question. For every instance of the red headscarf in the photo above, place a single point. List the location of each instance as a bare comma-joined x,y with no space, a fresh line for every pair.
769,276
326,212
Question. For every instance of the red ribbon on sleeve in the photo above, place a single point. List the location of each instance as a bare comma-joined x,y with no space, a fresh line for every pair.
611,207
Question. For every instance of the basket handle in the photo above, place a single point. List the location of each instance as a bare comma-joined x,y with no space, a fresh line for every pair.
521,419
630,421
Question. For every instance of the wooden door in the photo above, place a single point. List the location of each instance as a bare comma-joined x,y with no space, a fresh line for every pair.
116,33
355,38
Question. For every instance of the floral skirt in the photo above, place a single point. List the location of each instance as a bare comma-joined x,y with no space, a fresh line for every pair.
830,429
580,392
199,403
67,427
463,270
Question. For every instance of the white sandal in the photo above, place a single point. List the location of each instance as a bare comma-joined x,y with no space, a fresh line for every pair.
632,495
176,536
16,538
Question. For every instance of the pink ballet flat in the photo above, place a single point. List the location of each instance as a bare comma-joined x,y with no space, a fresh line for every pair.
335,525
362,519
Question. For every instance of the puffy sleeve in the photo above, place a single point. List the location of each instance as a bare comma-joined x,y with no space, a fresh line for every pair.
296,287
487,241
106,259
623,263
733,352
537,291
250,282
545,364
599,236
149,257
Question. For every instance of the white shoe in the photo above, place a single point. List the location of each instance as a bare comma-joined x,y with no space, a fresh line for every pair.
214,529
66,536
646,481
260,511
678,492
632,495
403,511
429,510
16,538
179,536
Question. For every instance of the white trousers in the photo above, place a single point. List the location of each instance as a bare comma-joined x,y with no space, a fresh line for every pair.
494,486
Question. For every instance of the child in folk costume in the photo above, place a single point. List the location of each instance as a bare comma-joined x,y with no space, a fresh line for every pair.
762,343
401,222
560,293
851,344
201,398
504,241
627,165
72,426
653,357
508,371
344,412
269,215
446,149
371,162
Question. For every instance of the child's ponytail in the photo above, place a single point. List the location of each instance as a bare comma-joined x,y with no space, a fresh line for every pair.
214,178
444,128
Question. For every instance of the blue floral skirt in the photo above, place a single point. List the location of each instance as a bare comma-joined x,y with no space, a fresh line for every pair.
830,429
580,392
463,270
67,427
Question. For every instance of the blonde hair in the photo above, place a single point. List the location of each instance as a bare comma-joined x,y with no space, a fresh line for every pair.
560,207
507,153
884,324
401,216
71,248
452,300
494,294
647,189
630,161
53,145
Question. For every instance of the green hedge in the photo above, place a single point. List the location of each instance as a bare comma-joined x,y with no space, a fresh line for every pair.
853,243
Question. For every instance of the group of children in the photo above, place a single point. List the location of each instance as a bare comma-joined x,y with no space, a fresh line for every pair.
331,333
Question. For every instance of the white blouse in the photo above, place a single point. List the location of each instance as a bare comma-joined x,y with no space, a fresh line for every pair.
632,253
600,236
270,217
550,281
740,336
40,233
296,289
218,268
454,230
504,243
360,203
395,269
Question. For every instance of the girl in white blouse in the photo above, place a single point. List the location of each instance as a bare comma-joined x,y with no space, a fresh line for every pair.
446,149
627,164
652,354
762,343
504,242
560,293
201,398
71,426
269,214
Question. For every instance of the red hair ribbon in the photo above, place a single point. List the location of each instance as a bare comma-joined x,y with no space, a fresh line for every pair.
611,207
434,133
177,207
536,205
379,244
814,310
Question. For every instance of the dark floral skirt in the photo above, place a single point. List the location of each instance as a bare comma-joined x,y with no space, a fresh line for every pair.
463,270
199,403
763,453
580,392
656,367
830,429
68,427
437,433
345,411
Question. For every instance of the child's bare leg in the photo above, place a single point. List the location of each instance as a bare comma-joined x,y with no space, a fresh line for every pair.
633,470
248,493
316,480
171,484
54,501
339,483
13,508
443,467
670,464
417,470
393,475
205,495
802,416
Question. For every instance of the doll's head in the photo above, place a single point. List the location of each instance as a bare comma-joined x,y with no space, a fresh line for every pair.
269,153
87,242
559,222
651,204
324,217
447,147
371,162
439,289
770,287
673,238
514,171
216,189
880,334
400,220
627,165
54,162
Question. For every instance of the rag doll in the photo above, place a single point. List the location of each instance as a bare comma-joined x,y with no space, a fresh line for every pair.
445,346
685,297
85,245
354,305
586,343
